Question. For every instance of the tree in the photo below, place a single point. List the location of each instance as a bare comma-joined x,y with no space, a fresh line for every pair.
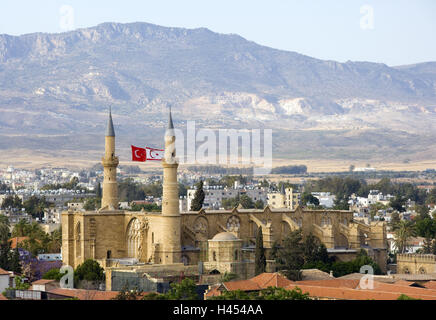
90,270
185,290
406,297
270,293
197,202
98,191
290,258
395,220
426,228
53,274
275,293
12,202
126,294
229,276
397,203
4,228
314,251
405,230
259,254
259,204
246,202
308,198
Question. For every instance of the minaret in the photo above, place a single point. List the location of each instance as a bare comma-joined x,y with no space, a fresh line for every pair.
171,236
110,163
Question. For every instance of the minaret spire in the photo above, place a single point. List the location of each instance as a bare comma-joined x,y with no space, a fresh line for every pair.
171,226
170,120
110,162
110,132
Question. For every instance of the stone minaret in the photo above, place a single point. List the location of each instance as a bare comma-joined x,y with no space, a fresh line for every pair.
110,163
171,236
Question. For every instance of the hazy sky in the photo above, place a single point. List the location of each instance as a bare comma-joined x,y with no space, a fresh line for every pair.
391,31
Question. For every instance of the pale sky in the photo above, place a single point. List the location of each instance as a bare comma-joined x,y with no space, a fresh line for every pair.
394,32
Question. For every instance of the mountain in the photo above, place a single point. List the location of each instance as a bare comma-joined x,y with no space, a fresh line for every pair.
58,87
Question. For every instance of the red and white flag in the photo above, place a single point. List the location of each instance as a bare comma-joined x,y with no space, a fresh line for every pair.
139,154
142,155
154,154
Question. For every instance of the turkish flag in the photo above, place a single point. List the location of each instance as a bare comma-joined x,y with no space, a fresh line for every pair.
154,154
139,154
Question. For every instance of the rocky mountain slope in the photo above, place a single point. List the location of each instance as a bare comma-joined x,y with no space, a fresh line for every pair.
58,87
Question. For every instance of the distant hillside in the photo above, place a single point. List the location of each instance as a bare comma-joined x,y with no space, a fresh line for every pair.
60,86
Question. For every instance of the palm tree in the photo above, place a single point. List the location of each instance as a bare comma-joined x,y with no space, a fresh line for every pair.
4,228
405,230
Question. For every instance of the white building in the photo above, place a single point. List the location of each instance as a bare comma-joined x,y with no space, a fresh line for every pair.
326,199
6,280
214,195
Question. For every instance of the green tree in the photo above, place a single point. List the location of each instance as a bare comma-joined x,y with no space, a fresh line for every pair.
246,202
308,198
259,204
20,284
185,290
406,297
397,203
126,294
230,203
229,276
12,202
395,220
259,254
53,274
426,228
90,270
290,258
406,230
197,202
314,251
4,228
275,293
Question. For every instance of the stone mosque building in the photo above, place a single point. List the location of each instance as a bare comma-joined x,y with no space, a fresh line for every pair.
142,247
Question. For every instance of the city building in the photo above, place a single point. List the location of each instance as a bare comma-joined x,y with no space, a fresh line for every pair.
286,198
204,242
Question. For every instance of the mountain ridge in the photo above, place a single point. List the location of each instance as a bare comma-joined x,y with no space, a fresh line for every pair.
64,82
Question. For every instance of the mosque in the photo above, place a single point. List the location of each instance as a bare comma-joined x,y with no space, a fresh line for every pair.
142,248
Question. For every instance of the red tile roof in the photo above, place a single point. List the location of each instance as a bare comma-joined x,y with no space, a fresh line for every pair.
430,285
344,289
43,281
17,240
4,272
266,280
82,294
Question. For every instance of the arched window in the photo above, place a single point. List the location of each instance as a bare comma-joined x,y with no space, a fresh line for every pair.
214,256
236,255
134,238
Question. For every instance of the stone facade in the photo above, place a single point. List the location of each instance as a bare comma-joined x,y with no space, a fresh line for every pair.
411,263
180,241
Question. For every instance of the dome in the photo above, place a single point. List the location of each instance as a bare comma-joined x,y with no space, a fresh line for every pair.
224,236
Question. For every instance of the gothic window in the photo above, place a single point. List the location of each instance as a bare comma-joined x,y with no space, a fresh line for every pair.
78,235
233,224
134,238
214,256
201,225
